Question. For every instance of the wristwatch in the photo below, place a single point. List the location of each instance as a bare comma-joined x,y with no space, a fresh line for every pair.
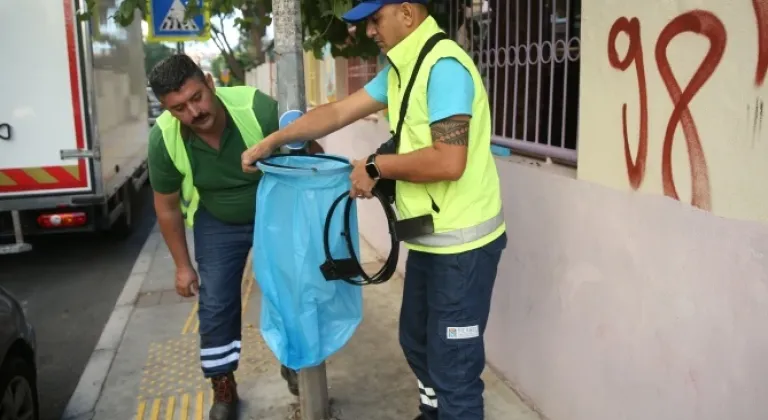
371,168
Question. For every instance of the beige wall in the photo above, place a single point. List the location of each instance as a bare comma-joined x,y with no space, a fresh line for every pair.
616,305
264,78
719,161
261,78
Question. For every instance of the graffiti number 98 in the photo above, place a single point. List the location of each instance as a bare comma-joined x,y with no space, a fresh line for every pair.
698,22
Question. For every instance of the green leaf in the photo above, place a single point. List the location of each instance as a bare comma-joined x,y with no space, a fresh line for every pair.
126,12
86,14
339,7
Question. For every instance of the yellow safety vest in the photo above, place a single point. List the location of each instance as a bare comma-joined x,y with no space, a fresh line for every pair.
239,103
467,213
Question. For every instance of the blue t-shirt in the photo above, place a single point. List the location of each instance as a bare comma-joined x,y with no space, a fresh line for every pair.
450,90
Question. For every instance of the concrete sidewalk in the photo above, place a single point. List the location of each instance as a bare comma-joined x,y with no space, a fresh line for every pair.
146,364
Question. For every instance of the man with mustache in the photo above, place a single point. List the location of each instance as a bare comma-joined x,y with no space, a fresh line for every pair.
195,152
444,171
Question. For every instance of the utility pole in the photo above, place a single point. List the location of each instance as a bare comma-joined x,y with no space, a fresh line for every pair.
289,51
292,103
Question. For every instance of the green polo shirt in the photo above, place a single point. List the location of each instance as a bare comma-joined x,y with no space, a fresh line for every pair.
226,192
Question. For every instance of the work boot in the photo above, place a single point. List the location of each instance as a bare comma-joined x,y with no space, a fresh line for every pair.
225,398
292,377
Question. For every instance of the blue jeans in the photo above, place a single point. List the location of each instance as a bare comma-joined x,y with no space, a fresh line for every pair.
446,301
221,251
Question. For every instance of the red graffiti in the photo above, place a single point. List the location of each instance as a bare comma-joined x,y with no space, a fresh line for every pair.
635,169
761,16
698,22
706,24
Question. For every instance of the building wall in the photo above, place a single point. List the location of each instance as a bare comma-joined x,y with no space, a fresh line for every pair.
327,80
261,78
613,304
691,79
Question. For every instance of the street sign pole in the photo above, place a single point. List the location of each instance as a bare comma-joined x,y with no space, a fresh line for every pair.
291,97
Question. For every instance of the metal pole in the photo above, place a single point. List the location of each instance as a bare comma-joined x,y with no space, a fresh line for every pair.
179,47
291,90
17,227
19,246
291,98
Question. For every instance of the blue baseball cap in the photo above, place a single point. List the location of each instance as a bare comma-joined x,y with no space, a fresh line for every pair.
366,8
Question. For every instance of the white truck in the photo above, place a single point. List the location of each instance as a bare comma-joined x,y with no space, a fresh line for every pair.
73,120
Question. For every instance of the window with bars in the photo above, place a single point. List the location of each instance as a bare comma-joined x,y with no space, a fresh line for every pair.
528,52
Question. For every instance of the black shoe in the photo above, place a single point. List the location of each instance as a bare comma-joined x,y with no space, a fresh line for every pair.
225,398
292,377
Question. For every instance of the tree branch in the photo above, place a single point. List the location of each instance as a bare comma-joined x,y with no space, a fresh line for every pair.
224,37
226,50
256,30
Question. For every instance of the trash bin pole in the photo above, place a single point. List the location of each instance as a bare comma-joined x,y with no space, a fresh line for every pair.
313,393
286,17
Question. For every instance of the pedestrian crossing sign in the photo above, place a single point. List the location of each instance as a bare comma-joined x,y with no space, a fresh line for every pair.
168,21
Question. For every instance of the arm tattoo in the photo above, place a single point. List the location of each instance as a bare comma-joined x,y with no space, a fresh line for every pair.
453,132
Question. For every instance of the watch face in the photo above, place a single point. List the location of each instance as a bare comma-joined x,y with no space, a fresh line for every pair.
372,171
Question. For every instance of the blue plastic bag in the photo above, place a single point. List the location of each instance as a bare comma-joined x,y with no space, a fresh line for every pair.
304,318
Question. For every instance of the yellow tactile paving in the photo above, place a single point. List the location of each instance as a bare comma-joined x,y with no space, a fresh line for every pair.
172,385
174,366
192,405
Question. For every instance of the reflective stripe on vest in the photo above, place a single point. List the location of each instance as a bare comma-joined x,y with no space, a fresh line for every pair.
461,236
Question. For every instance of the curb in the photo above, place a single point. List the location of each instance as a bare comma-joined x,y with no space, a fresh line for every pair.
83,401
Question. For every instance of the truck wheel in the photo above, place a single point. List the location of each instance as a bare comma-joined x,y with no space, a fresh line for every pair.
18,390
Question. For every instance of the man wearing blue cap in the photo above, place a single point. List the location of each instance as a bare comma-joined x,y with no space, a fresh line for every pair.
444,172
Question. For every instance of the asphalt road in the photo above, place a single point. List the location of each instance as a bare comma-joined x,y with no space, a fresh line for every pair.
69,285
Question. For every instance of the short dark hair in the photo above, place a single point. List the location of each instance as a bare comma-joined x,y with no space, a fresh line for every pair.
170,74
